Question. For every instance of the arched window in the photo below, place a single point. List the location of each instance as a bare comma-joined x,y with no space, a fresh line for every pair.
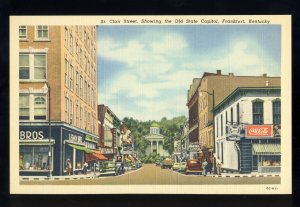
39,108
258,111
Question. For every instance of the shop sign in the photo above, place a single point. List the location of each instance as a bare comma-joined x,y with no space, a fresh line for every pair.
106,150
194,147
75,138
31,135
258,130
234,132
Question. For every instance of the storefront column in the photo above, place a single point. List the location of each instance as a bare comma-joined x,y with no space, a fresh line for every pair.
151,147
157,147
74,160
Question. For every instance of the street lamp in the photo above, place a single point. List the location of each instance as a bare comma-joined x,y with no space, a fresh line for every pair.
213,121
47,90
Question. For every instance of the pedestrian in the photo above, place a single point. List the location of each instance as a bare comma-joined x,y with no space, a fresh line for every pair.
208,167
204,164
69,167
85,166
219,166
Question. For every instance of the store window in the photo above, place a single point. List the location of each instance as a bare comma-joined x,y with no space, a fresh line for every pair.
39,108
22,32
42,32
34,158
269,160
24,107
276,112
257,111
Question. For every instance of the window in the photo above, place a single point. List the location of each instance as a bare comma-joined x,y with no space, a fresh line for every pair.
81,116
24,107
257,110
276,112
77,114
40,66
217,127
66,109
39,108
221,125
66,37
226,122
34,158
32,66
66,73
77,83
71,111
238,114
72,78
22,32
85,91
81,87
222,152
24,67
77,51
42,32
231,115
71,44
32,107
88,95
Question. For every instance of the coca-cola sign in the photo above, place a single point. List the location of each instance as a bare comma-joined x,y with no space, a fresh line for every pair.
259,131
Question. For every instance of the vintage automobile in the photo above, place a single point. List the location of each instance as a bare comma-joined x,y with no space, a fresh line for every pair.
157,162
167,163
176,166
110,168
182,167
193,166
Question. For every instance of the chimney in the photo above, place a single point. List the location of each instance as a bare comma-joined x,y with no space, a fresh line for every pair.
230,74
218,72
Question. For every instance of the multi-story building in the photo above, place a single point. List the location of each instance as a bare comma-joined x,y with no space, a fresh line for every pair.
248,125
109,140
57,97
207,92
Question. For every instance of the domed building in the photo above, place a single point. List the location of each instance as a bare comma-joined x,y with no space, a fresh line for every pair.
155,141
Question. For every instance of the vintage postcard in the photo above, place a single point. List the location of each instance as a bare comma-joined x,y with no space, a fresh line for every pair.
150,104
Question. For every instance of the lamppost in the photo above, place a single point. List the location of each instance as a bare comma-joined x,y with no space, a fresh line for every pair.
47,90
213,121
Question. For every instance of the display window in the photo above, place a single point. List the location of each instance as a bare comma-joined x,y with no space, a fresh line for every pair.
34,158
269,160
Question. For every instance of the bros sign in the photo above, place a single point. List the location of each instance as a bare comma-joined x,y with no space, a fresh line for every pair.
258,130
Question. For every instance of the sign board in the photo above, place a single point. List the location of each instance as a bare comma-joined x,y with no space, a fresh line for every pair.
258,131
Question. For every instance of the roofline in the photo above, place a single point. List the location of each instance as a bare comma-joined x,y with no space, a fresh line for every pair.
243,88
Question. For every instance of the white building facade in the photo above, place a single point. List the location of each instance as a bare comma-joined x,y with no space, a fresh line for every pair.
247,130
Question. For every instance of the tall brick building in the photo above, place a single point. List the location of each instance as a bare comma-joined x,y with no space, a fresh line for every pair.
58,97
214,87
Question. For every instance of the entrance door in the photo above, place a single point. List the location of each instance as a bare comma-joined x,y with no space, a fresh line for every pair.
254,162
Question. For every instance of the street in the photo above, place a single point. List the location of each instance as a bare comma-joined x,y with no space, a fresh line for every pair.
150,174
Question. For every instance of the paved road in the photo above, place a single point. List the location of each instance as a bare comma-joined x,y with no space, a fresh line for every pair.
149,174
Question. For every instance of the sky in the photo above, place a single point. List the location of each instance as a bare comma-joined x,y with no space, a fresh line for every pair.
144,72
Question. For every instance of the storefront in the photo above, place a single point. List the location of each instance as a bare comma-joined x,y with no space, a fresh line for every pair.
66,143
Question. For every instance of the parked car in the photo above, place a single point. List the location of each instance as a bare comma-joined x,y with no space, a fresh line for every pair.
176,166
157,162
167,163
138,164
182,167
193,166
109,168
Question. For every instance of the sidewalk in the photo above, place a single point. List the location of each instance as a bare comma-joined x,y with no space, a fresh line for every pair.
62,177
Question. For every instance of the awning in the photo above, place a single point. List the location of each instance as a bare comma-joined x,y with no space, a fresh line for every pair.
266,149
79,147
95,156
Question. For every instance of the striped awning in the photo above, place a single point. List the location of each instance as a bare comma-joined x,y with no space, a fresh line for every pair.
266,149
